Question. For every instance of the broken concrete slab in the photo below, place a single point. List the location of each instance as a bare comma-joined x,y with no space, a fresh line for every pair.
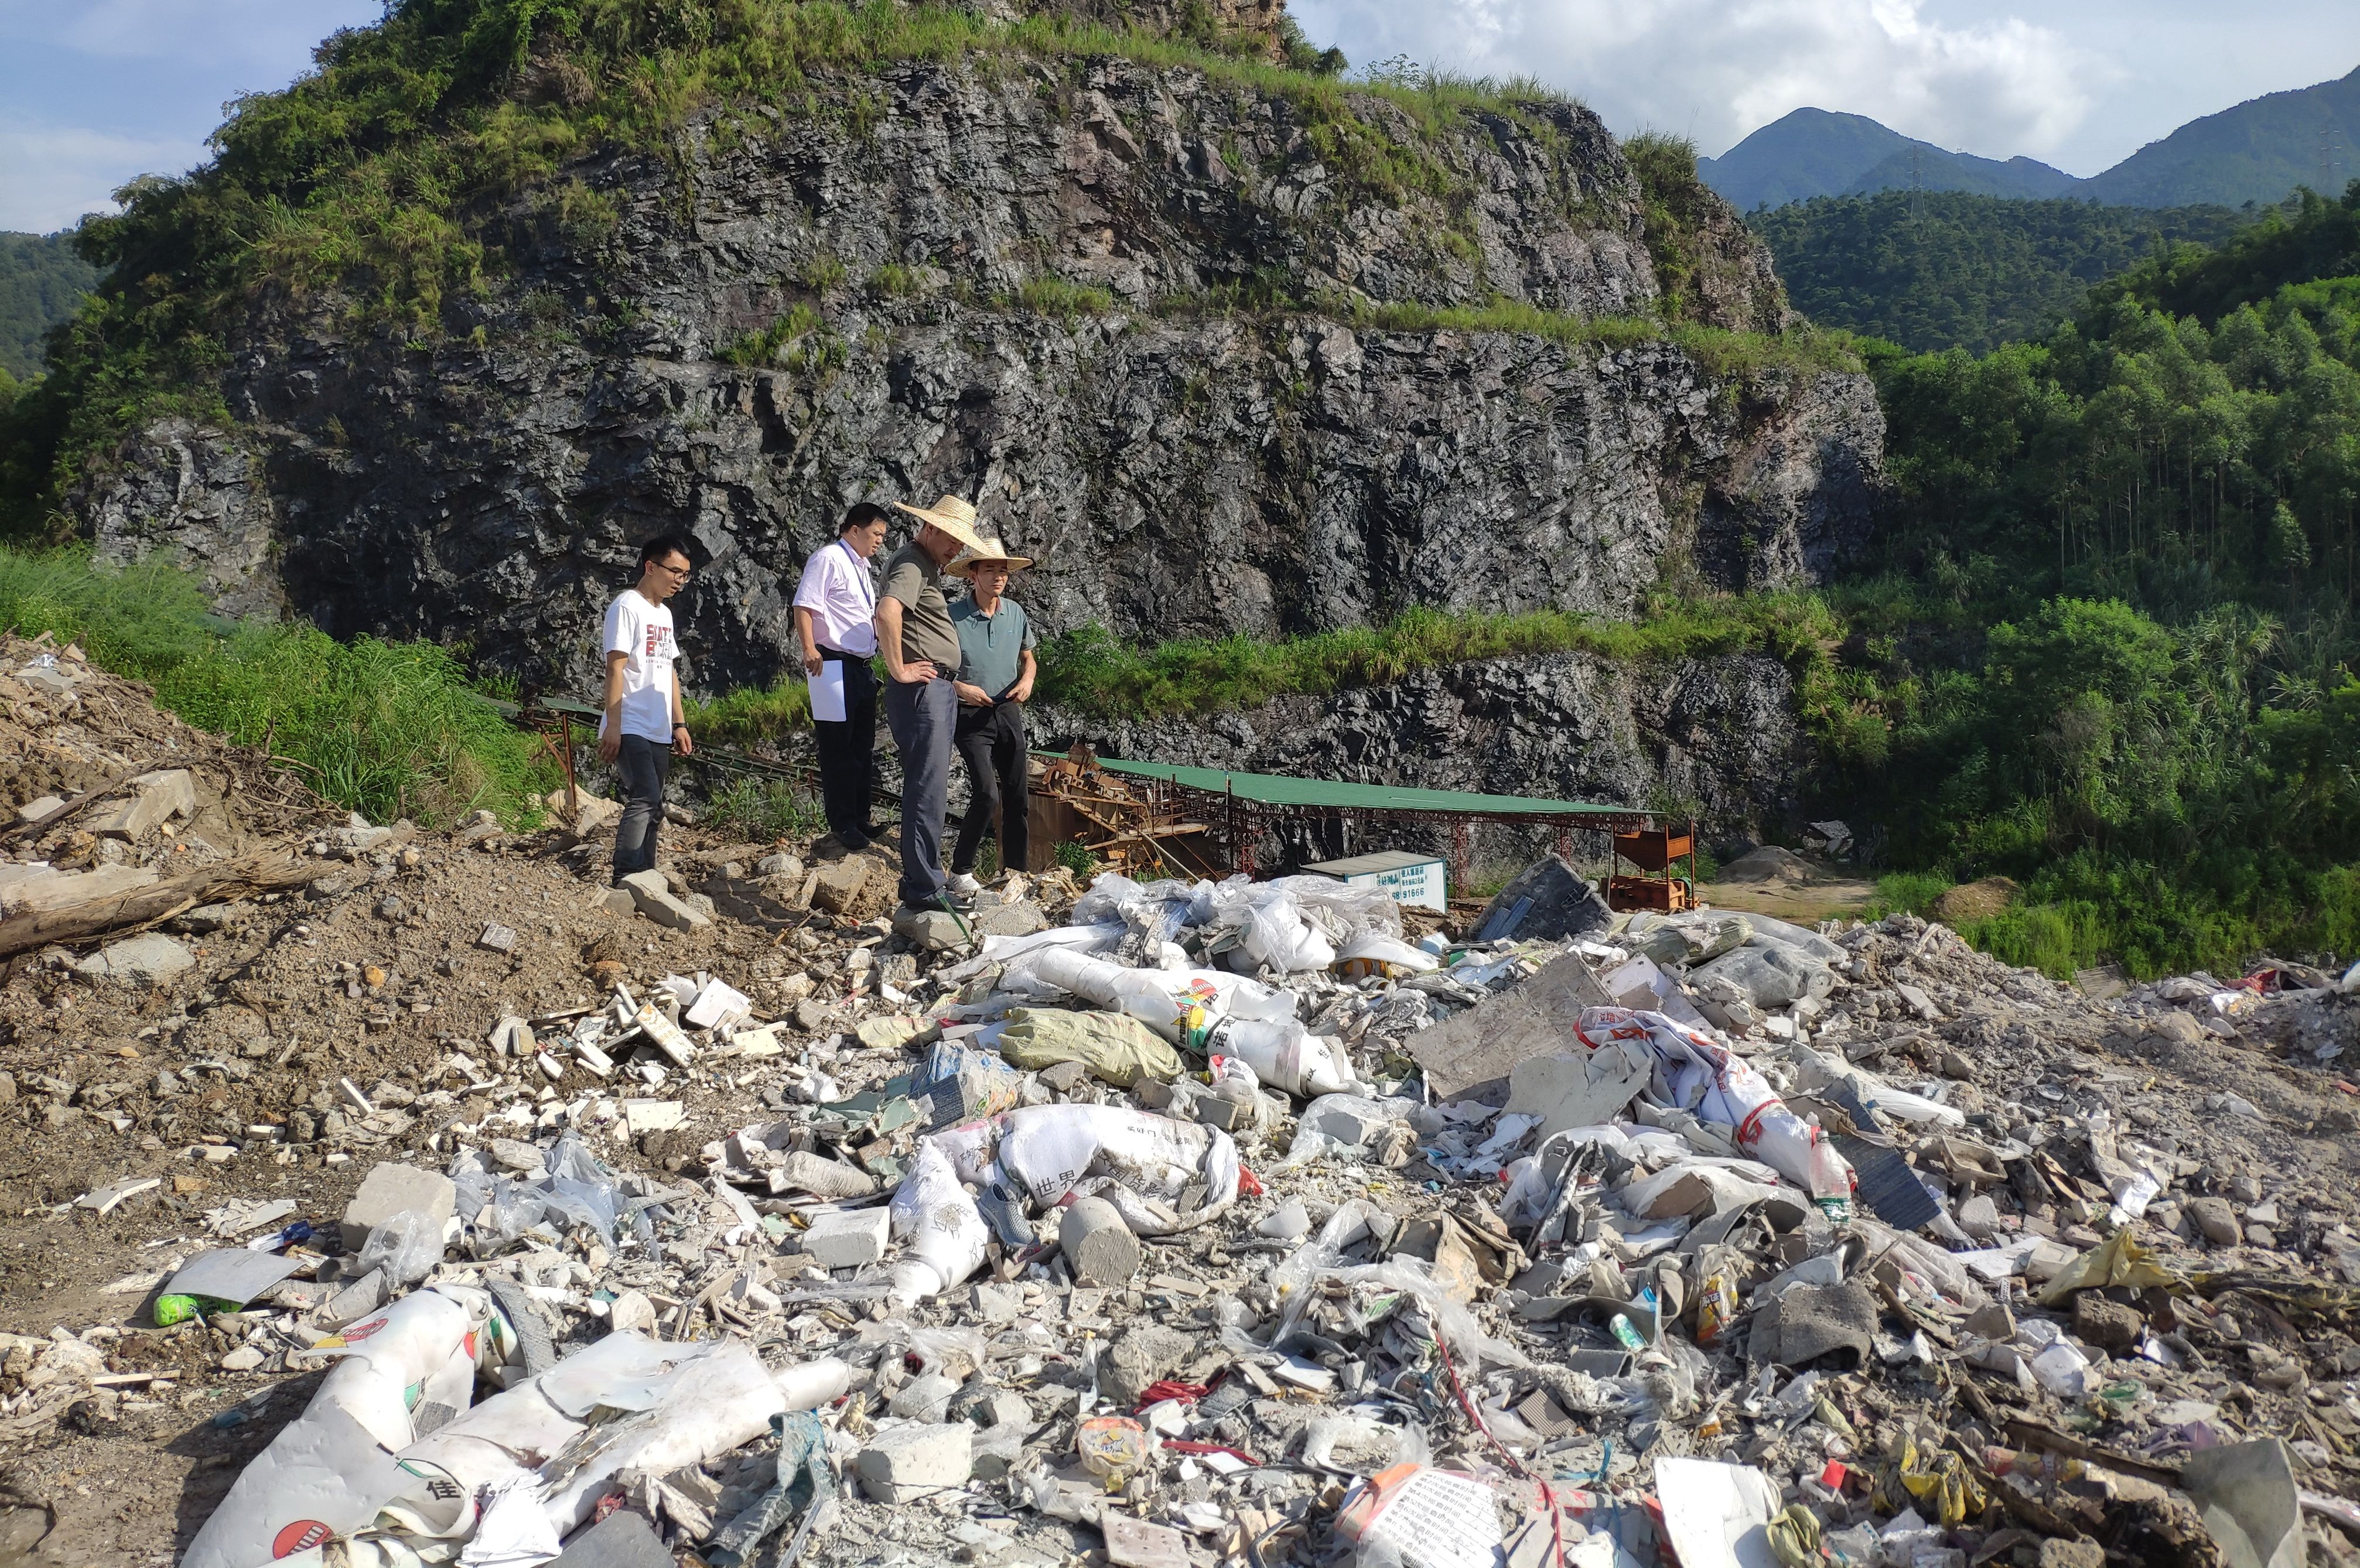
653,896
1470,1055
146,961
906,1462
1579,1088
391,1189
847,1239
156,798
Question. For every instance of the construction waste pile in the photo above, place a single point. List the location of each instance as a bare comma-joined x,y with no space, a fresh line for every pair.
1195,1223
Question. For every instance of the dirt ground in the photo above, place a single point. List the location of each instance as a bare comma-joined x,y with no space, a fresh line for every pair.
377,972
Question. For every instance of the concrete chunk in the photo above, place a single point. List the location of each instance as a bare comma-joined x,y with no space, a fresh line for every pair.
622,1540
146,961
1098,1244
156,798
905,1464
848,1240
653,896
392,1189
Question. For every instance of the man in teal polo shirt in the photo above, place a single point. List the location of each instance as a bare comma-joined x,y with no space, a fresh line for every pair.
995,681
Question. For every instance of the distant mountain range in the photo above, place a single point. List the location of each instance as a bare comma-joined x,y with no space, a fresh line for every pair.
2257,152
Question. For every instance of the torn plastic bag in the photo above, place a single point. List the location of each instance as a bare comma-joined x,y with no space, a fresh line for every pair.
1297,1282
1413,1516
626,1402
1347,1126
1282,1054
940,1225
574,1190
406,1245
1115,1047
2117,1261
1177,1004
401,1372
1144,1164
1013,953
1267,926
1342,910
1373,953
958,1083
1716,1085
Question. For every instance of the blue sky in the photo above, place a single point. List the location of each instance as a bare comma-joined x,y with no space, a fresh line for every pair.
93,91
2079,83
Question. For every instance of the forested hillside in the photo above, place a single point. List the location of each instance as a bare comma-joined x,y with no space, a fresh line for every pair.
1947,269
42,282
2117,621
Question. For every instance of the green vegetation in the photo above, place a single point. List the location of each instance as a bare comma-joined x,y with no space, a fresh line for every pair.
2117,629
748,715
766,808
42,282
387,729
1090,672
1717,349
1945,270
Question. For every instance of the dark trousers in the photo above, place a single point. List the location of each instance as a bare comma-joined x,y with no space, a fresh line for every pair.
993,741
643,766
847,751
923,718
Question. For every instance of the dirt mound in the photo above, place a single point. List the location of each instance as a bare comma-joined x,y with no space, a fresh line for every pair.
1768,864
1975,900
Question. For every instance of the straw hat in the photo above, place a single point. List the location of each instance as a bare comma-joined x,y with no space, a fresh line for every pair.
990,549
951,515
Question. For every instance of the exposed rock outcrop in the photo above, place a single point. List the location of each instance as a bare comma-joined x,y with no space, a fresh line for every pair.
1223,356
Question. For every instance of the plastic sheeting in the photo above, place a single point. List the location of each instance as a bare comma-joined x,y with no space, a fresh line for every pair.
1715,1084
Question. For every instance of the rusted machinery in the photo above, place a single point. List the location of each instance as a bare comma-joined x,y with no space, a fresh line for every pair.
1659,886
1133,825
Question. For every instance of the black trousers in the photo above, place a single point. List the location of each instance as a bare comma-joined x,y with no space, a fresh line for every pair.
643,766
993,741
848,750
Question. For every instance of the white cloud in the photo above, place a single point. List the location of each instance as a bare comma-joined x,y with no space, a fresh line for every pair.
50,176
1716,69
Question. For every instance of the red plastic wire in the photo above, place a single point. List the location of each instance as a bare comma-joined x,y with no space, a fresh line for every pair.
1548,1497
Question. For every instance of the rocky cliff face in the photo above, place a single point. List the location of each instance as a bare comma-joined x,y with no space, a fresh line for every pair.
1188,339
1712,736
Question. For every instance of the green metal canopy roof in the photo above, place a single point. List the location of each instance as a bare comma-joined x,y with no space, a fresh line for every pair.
1276,789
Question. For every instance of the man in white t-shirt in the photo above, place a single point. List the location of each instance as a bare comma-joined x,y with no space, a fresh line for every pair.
835,605
644,720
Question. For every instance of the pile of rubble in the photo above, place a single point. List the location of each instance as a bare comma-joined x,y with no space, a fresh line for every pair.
719,1218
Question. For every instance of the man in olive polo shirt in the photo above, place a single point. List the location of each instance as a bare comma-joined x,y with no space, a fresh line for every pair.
921,649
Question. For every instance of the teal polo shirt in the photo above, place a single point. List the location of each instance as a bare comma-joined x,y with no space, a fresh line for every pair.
991,647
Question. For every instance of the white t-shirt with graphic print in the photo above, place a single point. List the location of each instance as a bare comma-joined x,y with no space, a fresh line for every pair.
643,631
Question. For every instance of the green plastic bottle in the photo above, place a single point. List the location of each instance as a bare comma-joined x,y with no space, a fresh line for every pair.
170,1310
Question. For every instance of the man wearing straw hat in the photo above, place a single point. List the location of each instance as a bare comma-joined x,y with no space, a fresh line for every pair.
921,657
995,682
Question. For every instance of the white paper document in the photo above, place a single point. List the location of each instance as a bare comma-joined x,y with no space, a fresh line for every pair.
827,692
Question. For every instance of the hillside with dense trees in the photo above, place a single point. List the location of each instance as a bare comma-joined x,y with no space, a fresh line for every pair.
1946,269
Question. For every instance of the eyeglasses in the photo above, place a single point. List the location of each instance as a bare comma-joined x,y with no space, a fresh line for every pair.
680,571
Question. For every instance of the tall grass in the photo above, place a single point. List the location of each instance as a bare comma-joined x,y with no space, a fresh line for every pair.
752,713
1089,672
384,728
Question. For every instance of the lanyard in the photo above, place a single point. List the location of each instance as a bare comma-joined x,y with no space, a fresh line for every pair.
860,574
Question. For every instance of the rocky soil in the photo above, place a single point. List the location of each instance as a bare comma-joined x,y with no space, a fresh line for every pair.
368,1016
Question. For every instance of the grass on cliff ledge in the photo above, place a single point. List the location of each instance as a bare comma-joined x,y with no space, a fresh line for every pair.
389,729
